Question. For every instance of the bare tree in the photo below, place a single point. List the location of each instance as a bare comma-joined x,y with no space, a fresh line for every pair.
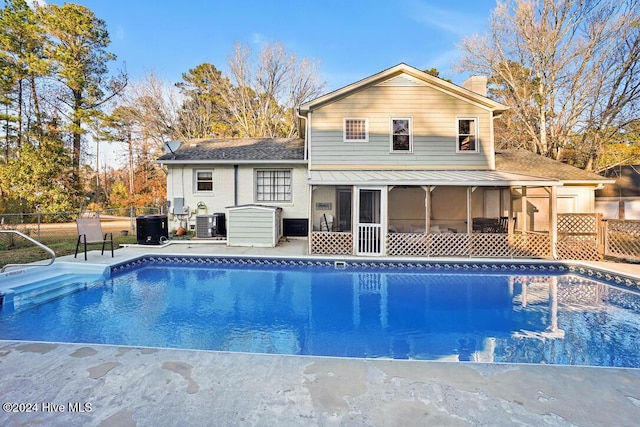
155,104
262,97
567,68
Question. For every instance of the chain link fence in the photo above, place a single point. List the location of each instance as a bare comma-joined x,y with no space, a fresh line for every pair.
52,227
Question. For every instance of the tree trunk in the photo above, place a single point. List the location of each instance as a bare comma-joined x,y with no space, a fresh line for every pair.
130,143
36,103
77,138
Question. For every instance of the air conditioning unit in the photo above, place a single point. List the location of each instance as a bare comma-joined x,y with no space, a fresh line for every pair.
204,226
211,225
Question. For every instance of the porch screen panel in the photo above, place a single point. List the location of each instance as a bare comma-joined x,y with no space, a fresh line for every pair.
273,185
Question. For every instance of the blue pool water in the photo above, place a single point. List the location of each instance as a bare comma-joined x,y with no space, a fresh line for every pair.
490,316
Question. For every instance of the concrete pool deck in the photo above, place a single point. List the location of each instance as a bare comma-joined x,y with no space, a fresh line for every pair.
95,385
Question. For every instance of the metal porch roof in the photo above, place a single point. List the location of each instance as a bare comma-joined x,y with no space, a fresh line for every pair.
427,177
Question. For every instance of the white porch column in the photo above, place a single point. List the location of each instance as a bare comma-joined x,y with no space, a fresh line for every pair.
310,221
525,222
553,220
427,207
510,224
469,219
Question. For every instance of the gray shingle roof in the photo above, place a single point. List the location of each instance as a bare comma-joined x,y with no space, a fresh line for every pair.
241,149
527,162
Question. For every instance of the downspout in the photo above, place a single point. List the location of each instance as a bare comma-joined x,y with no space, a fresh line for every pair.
306,131
235,185
306,158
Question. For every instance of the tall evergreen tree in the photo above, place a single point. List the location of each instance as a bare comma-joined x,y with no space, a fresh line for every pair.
22,61
78,50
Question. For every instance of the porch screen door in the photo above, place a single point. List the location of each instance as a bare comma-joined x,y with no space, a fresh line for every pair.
369,237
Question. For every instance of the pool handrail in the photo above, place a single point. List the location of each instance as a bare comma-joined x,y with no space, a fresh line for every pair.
46,248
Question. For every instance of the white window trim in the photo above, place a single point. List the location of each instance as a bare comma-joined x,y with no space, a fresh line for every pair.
477,130
366,129
410,150
255,186
195,181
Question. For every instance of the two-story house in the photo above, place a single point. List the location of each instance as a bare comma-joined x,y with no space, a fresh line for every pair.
399,163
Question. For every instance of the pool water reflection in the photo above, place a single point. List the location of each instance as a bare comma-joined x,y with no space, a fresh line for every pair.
311,310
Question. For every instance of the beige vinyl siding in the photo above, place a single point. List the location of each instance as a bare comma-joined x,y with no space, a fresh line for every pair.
251,226
434,125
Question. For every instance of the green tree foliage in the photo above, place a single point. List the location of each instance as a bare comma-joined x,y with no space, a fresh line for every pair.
21,62
40,178
204,113
78,51
436,73
53,69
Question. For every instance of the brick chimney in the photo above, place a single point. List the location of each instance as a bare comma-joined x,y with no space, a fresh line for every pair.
477,84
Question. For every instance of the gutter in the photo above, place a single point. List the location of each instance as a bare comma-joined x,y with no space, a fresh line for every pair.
230,162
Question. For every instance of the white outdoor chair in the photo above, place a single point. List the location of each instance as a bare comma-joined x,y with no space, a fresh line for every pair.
326,222
90,231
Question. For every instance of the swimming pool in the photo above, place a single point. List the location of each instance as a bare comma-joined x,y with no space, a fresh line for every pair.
467,311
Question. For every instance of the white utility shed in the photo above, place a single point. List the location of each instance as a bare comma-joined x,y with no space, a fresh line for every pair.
254,225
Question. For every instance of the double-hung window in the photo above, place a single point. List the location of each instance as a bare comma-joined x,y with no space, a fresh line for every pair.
356,130
273,185
203,180
401,137
467,140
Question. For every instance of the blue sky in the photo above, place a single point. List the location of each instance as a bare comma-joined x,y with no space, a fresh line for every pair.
351,39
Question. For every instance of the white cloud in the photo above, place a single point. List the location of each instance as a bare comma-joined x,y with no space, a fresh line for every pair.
119,32
33,3
259,39
451,21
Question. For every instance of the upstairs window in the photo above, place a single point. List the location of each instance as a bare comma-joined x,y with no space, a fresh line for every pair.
401,138
356,130
273,185
467,135
203,180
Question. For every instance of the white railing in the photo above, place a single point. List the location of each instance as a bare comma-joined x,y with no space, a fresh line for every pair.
369,239
35,242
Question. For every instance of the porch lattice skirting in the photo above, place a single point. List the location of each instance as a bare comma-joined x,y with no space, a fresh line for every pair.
331,243
579,236
623,238
534,245
474,245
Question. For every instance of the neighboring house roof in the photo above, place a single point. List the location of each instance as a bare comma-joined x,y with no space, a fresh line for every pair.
523,161
627,182
402,68
237,150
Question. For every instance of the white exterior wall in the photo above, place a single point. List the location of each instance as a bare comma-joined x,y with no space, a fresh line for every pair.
181,183
570,199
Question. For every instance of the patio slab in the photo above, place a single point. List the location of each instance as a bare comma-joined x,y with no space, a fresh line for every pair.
94,385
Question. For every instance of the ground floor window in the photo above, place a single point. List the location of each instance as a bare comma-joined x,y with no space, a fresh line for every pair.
203,180
273,185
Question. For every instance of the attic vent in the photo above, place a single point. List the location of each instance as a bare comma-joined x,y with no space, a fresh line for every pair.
402,80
